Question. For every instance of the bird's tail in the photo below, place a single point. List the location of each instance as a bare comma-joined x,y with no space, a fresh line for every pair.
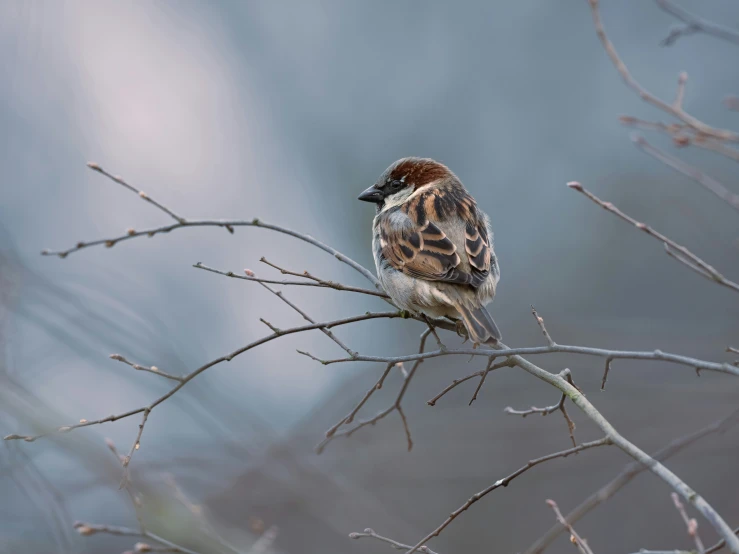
480,325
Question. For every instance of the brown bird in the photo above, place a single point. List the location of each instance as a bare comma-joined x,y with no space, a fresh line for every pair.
433,246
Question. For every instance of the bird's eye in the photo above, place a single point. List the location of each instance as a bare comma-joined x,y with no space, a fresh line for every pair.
396,185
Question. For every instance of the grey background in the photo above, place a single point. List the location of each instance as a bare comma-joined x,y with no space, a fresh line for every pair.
286,111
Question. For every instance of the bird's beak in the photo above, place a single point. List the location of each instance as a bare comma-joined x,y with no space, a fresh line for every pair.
372,195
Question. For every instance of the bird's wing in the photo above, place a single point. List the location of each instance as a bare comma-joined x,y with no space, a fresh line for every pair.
416,244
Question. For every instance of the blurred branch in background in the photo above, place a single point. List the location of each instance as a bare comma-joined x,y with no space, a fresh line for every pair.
693,24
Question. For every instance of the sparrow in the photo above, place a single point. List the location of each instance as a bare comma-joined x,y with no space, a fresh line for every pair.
433,246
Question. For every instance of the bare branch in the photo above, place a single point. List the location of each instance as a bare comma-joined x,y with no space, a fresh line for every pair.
134,447
609,360
88,529
504,483
657,355
369,533
153,369
483,375
559,406
679,113
334,432
143,195
694,24
575,539
324,330
480,374
686,169
313,283
540,322
690,523
680,252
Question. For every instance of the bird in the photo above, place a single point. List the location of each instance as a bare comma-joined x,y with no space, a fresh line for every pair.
433,246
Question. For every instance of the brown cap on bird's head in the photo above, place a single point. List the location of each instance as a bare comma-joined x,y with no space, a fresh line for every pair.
406,173
416,172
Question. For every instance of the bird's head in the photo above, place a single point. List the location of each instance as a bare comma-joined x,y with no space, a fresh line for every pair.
405,177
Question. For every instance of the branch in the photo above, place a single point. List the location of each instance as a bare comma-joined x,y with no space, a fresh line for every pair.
559,406
249,276
89,529
675,111
369,533
134,447
694,24
673,249
334,432
324,330
690,523
142,194
153,369
627,475
575,539
657,355
504,483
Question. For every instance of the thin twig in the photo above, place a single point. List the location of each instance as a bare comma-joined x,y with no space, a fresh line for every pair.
334,432
324,330
483,375
369,533
575,538
153,369
431,327
559,406
143,195
134,447
680,252
540,322
607,370
313,283
690,523
504,483
88,529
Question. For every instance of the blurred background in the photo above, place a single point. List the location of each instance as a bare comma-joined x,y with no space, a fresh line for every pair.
286,111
